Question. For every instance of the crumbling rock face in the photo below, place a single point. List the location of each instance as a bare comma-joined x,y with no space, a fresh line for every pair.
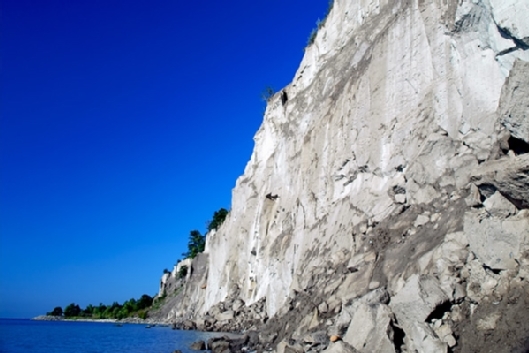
514,108
399,171
510,176
181,297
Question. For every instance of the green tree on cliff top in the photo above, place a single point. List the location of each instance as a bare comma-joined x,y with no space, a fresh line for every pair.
218,218
197,244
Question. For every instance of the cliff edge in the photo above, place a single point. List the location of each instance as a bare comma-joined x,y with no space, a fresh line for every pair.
386,200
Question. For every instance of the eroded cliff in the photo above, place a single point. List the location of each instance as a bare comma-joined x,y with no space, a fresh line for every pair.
398,155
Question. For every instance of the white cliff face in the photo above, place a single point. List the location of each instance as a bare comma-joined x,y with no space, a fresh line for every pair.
511,15
384,154
391,95
163,282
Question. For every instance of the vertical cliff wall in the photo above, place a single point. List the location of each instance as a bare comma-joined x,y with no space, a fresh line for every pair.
395,162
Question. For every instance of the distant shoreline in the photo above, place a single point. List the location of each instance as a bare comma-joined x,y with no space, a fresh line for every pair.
60,318
130,320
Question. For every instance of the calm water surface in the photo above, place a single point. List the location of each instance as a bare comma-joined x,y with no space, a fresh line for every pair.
24,336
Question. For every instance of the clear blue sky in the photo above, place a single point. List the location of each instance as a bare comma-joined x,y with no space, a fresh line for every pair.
124,125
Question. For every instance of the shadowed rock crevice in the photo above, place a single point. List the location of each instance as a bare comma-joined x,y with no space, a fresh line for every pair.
397,335
520,43
518,146
439,311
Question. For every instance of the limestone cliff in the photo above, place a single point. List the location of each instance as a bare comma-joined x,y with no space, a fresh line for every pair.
398,155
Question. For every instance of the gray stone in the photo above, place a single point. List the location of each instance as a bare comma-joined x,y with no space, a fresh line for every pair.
514,108
377,296
412,305
220,347
474,198
340,347
238,304
373,285
499,206
400,198
495,241
227,315
323,307
284,347
200,324
198,346
421,220
509,176
188,324
319,337
267,337
450,340
368,330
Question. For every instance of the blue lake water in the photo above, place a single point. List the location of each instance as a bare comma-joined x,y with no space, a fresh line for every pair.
23,336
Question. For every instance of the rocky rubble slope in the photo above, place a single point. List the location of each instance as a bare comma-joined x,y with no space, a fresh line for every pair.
386,201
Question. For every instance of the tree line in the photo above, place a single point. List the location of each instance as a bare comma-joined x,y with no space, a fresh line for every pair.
130,308
197,241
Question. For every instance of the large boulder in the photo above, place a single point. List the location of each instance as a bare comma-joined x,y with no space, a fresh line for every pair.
497,241
412,306
369,327
514,108
509,176
225,316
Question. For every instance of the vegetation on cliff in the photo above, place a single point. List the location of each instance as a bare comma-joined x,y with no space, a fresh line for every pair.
218,218
196,244
319,24
197,241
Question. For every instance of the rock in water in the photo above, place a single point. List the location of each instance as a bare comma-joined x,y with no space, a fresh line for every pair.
198,346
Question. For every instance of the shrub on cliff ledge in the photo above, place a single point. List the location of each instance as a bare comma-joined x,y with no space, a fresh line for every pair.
197,241
182,272
319,24
267,93
218,218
